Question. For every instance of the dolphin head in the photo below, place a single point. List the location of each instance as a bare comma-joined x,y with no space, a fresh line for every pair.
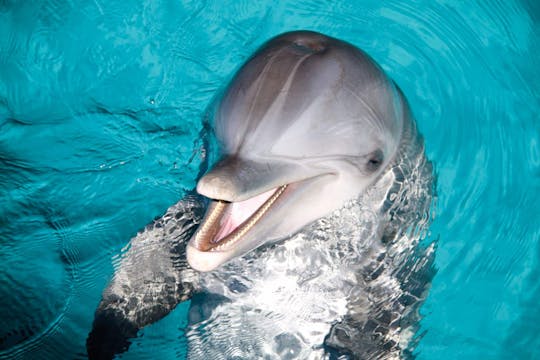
305,125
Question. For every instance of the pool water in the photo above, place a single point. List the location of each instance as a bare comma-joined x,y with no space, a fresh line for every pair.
101,108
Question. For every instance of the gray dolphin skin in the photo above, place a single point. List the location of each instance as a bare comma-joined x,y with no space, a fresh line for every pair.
322,177
307,124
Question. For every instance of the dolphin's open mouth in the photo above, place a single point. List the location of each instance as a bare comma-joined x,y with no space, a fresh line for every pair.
225,223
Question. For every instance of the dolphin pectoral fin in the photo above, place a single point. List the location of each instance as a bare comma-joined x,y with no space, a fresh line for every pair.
152,279
110,335
234,179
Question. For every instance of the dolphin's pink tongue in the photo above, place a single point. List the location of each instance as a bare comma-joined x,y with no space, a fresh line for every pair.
238,212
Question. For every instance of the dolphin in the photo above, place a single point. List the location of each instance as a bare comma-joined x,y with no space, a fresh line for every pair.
308,124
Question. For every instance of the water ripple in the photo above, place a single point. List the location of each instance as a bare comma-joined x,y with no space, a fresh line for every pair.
100,116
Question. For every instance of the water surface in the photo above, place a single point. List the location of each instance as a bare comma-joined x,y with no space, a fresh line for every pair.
101,106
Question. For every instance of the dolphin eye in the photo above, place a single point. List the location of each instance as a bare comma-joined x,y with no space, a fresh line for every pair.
374,160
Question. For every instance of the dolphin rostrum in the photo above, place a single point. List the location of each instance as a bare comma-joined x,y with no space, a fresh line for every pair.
307,124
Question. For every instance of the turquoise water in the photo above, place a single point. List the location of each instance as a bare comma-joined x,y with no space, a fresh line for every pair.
101,107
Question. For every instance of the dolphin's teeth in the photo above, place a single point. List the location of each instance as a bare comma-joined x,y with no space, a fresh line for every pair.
205,237
239,232
209,226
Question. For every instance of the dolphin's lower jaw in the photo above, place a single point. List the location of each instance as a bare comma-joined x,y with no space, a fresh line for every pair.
223,229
